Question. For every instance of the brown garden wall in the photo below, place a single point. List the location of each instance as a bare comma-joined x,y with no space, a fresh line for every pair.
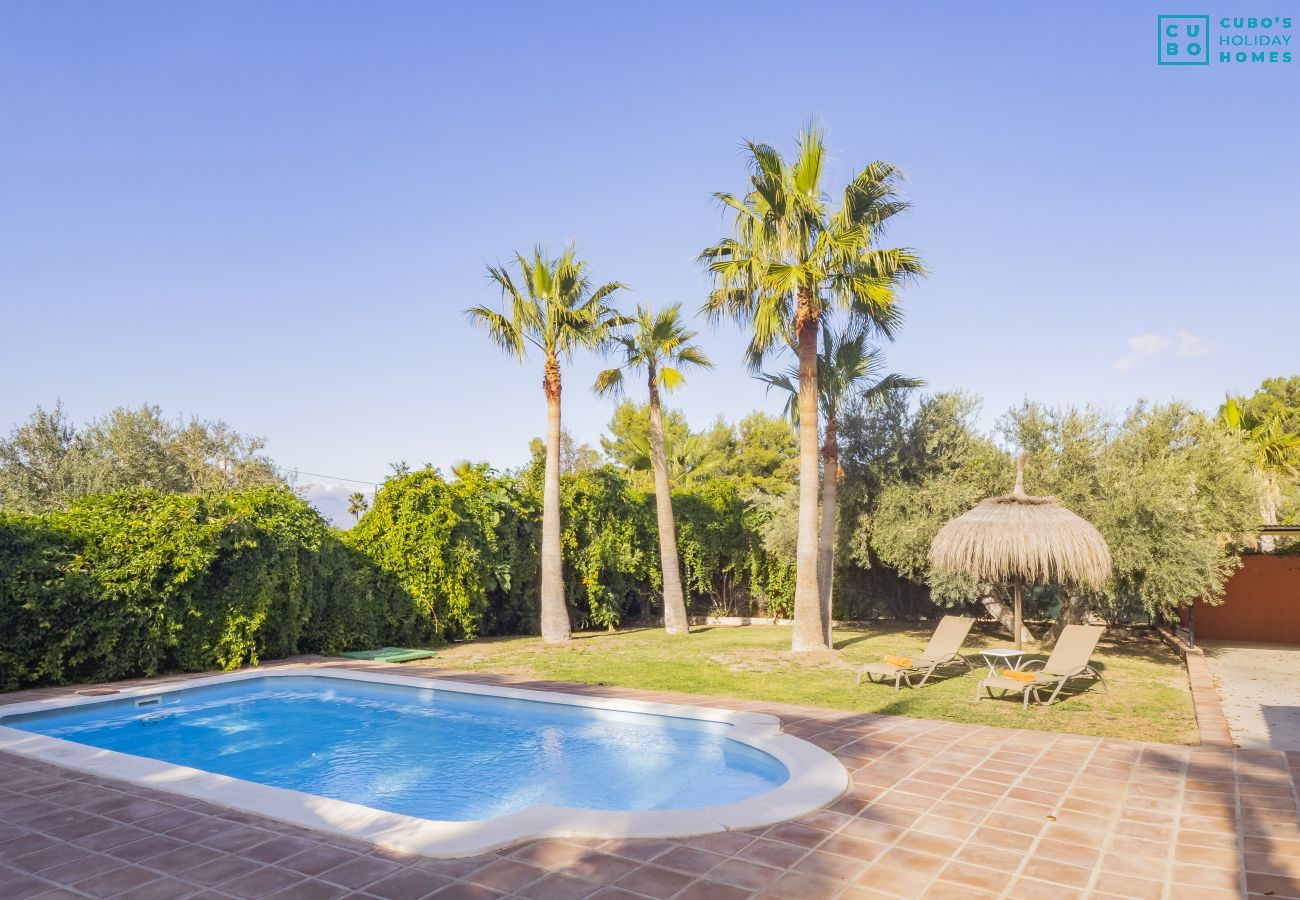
1261,603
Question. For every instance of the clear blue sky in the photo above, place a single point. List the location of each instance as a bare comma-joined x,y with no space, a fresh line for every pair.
275,213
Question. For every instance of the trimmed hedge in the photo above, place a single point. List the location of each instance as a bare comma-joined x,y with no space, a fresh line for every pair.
138,582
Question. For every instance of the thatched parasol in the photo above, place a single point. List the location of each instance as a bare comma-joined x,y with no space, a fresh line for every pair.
1020,538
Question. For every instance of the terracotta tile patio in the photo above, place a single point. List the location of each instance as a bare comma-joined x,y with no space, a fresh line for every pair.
936,810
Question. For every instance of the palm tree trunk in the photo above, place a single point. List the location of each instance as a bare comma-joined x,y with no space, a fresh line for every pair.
830,503
809,633
553,613
1268,503
675,620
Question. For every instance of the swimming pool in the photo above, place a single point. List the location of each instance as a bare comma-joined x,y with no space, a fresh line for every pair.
439,767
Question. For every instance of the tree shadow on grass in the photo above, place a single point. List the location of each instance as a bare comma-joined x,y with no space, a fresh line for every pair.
1135,644
1073,688
850,641
937,677
604,633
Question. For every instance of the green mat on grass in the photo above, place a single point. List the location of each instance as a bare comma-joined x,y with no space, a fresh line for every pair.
389,654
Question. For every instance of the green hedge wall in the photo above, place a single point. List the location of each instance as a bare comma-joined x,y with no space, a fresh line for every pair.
138,582
467,549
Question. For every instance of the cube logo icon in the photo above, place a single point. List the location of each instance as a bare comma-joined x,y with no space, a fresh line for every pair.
1183,40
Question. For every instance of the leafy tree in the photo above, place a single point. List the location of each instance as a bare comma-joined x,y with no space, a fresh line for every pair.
848,369
1275,451
37,468
1177,499
357,504
1065,452
47,462
762,451
555,312
574,457
659,346
872,446
790,261
938,468
1166,487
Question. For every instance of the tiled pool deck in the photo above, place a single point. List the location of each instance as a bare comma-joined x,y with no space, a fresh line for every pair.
936,810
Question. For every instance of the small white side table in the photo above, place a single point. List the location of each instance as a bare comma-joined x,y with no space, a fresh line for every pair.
1013,658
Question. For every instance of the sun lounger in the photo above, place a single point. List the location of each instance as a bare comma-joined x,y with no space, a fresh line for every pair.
1070,659
941,651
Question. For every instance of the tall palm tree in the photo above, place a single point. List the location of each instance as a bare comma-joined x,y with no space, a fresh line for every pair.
357,504
1276,451
848,368
791,259
659,345
555,311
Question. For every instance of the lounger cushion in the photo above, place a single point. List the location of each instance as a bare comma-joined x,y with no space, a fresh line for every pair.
1001,682
884,668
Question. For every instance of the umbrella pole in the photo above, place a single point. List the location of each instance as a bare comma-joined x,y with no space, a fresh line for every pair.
1017,618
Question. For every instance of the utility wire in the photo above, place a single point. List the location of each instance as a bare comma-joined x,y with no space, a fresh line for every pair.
286,472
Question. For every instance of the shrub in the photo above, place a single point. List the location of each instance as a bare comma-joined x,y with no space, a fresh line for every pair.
727,566
610,547
138,582
465,550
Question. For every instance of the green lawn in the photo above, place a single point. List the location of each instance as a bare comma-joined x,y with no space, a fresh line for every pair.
1148,698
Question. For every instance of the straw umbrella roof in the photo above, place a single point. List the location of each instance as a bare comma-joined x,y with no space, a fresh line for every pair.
1022,537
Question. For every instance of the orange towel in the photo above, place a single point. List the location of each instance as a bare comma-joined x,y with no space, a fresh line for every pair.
1015,675
903,662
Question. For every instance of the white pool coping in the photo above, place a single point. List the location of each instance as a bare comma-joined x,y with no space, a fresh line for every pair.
816,778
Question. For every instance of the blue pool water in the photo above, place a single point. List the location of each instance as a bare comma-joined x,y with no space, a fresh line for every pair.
437,755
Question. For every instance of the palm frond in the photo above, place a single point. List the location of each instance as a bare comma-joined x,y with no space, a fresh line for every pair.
504,333
807,169
787,242
893,382
609,383
789,383
692,356
670,379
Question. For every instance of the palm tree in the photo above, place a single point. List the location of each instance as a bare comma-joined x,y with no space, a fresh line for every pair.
464,468
357,504
659,345
848,368
1276,452
791,260
555,311
691,458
